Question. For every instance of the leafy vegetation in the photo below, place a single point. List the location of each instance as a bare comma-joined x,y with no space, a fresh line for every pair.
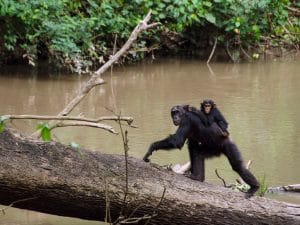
45,131
2,123
263,188
76,33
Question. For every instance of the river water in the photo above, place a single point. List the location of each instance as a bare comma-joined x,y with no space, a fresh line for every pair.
260,101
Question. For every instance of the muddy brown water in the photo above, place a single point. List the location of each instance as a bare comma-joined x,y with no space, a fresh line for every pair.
260,100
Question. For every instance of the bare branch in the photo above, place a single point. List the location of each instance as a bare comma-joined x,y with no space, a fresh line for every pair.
107,203
143,25
86,124
15,202
136,220
245,53
129,120
293,10
213,50
239,179
152,25
224,182
126,149
248,164
157,206
96,77
228,52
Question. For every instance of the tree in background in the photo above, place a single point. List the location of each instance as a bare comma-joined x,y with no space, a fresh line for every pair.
77,33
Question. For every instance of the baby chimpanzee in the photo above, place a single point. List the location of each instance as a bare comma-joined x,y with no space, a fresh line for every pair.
213,115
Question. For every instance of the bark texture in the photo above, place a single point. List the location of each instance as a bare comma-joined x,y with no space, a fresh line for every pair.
76,182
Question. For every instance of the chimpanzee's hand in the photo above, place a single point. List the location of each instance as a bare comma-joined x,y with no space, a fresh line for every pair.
149,152
225,133
147,155
146,159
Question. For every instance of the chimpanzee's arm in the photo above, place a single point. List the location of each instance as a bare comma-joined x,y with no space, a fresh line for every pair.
173,141
219,118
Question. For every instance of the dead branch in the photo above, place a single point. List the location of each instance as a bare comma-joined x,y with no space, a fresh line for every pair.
245,53
157,206
222,179
240,180
228,52
286,188
129,120
136,220
126,149
107,204
96,79
15,202
248,164
85,124
293,10
213,50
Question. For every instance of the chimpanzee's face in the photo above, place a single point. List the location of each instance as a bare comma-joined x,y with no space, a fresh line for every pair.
207,108
177,112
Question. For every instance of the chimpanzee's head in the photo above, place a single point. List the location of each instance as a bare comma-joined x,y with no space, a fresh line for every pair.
177,112
207,105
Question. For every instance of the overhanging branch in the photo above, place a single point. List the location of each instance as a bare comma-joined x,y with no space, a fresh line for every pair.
129,120
143,25
96,77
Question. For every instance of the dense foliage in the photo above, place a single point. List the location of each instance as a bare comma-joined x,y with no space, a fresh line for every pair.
76,32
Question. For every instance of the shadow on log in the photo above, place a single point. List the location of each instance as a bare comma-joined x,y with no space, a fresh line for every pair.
71,182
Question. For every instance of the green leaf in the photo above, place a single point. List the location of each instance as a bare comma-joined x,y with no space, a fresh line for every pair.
210,18
237,24
46,134
161,5
2,122
162,16
2,126
207,3
45,131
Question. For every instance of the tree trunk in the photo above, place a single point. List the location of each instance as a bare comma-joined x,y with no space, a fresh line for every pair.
76,182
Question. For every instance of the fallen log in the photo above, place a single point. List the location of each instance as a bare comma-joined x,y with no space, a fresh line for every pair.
68,181
285,188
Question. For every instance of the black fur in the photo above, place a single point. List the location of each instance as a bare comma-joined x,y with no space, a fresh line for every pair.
203,142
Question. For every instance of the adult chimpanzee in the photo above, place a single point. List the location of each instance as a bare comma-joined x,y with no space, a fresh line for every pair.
203,142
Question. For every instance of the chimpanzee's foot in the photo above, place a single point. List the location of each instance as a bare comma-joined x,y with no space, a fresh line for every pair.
251,191
195,177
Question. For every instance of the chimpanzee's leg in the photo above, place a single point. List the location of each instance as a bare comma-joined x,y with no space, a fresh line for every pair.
197,161
234,156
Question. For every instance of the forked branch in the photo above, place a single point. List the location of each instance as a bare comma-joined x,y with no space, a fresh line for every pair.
96,77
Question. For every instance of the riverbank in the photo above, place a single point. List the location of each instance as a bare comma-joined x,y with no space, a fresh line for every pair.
82,35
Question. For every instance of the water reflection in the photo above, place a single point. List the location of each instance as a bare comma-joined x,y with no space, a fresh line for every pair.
14,216
260,101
